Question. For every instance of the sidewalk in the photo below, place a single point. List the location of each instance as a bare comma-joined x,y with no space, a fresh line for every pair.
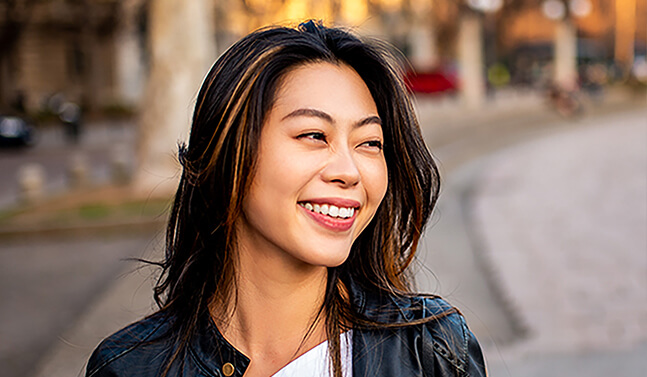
462,140
563,221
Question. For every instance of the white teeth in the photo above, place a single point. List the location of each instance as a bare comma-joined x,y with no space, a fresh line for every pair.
330,210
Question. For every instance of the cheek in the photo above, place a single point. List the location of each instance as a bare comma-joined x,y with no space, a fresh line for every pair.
272,167
283,172
376,180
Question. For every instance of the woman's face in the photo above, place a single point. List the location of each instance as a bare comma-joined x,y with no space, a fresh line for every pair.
321,173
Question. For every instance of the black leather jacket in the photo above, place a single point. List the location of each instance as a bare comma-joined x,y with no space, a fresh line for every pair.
442,347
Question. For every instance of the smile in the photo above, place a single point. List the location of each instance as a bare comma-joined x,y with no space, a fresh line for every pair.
329,210
338,217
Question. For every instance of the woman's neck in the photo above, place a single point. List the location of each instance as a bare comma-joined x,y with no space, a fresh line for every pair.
277,304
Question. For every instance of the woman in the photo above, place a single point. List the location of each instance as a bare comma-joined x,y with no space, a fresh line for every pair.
305,188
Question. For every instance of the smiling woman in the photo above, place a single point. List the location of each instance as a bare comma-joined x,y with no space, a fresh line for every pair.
305,189
320,147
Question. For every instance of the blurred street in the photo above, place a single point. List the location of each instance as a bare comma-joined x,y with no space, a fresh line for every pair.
536,112
542,245
530,200
99,144
47,283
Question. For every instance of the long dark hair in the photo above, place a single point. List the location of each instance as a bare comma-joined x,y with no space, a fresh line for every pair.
218,166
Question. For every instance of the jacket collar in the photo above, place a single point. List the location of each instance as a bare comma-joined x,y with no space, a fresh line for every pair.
380,307
211,350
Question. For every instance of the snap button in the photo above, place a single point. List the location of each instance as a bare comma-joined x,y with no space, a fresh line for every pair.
228,369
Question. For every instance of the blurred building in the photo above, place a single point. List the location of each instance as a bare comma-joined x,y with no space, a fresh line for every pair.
526,33
94,51
60,47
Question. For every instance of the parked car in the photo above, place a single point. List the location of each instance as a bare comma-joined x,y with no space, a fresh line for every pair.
432,82
16,131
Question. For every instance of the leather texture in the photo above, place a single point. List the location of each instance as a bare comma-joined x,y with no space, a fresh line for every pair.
439,348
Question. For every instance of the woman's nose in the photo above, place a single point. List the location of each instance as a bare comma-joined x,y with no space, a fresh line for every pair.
342,169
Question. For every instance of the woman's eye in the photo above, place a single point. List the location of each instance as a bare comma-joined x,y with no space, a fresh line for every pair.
313,136
373,144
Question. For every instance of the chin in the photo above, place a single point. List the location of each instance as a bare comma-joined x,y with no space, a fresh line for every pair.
327,258
336,262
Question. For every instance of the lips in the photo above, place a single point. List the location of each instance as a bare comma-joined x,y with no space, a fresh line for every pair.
335,214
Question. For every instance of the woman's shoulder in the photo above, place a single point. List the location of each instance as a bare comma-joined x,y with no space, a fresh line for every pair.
433,311
443,321
434,328
445,334
423,306
140,338
388,308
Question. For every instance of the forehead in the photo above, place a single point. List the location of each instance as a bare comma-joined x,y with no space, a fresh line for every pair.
334,88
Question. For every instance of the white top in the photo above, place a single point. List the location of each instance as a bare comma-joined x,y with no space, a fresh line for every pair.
316,362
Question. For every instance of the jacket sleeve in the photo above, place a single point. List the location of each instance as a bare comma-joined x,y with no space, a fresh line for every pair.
474,357
450,349
97,365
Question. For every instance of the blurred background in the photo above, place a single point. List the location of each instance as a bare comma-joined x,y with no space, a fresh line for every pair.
536,111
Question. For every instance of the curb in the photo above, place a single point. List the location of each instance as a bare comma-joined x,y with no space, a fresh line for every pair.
78,229
518,323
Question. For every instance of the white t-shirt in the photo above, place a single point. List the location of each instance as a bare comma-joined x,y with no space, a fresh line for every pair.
316,363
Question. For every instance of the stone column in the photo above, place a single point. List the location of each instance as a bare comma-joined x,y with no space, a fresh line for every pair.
625,32
470,60
129,70
182,49
422,38
90,47
565,73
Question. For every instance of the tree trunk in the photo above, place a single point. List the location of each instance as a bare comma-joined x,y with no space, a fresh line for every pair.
470,58
128,60
422,38
182,48
91,87
625,33
565,54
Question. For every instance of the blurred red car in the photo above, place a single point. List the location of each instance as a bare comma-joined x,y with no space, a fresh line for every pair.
433,82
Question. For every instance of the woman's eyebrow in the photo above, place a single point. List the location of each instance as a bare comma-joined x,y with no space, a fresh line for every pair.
310,113
325,116
372,119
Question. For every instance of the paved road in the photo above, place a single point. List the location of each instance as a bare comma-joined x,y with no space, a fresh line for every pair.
46,283
541,242
460,140
562,220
